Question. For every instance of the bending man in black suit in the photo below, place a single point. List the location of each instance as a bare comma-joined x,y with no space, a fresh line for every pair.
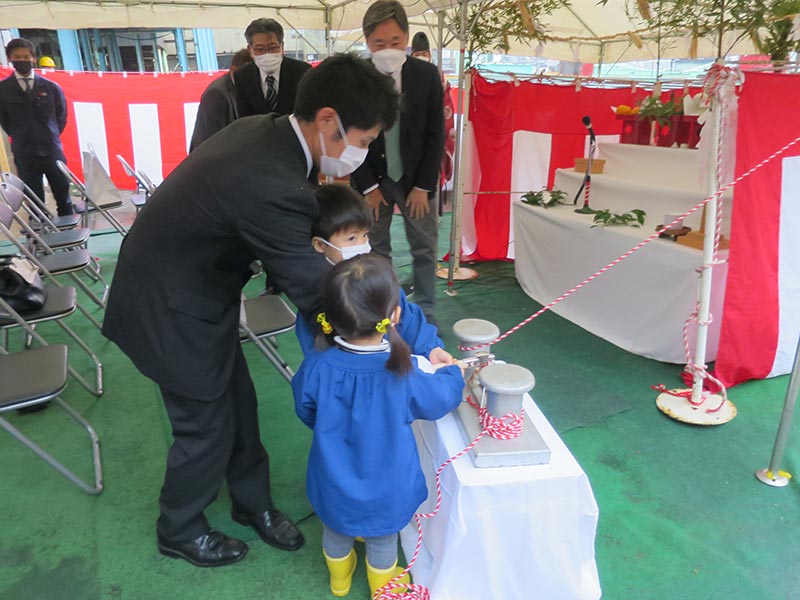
402,167
218,102
33,112
245,194
270,83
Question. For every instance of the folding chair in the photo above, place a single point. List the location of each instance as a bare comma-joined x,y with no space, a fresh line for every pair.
36,376
56,239
60,303
89,204
37,209
143,191
40,251
261,319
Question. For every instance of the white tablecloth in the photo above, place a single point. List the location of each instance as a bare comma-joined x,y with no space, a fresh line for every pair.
639,305
512,533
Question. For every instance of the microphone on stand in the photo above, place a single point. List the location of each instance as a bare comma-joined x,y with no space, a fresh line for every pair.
587,178
587,122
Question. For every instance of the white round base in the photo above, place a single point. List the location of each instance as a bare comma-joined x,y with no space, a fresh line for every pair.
779,479
680,409
460,274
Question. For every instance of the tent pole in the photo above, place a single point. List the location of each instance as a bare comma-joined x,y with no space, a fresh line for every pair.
773,475
458,179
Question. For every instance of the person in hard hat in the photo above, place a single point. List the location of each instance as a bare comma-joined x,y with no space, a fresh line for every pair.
45,62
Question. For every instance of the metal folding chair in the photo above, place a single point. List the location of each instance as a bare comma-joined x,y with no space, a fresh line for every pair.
88,204
142,194
36,376
262,318
36,208
42,246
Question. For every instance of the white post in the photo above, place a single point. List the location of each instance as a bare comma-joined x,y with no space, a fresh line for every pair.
458,179
710,224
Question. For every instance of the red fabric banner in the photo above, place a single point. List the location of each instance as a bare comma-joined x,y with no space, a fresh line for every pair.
757,298
116,92
498,109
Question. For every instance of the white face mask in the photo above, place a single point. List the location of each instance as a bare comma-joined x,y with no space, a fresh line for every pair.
349,251
389,60
350,159
423,57
268,63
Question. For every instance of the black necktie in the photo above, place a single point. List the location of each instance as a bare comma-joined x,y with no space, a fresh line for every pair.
28,85
272,94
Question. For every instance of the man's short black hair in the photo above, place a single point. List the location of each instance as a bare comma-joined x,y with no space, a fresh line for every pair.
263,25
361,95
341,208
381,11
420,43
18,43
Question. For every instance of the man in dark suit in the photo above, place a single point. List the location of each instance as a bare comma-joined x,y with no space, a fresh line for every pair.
218,102
402,167
173,308
33,112
270,83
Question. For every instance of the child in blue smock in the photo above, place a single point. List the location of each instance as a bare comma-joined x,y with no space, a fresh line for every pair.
360,397
340,230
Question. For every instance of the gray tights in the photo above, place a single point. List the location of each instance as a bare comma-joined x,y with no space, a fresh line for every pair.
381,550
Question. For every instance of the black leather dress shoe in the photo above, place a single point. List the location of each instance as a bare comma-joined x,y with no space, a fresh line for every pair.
213,549
272,527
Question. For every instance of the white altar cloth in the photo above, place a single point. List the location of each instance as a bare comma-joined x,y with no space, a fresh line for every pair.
511,533
639,305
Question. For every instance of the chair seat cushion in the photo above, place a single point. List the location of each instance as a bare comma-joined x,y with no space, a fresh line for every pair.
80,205
36,374
64,262
268,315
60,302
70,237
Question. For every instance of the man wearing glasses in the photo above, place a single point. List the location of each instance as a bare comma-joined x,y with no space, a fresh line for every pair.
269,85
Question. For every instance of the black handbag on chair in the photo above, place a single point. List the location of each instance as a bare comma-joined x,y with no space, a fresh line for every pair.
20,284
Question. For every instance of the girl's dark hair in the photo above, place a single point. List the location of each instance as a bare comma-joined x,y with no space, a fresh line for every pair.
340,208
358,294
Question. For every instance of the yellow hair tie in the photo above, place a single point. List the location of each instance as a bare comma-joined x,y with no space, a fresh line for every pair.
382,325
326,327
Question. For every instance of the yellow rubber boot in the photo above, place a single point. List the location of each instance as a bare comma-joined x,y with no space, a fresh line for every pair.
378,578
341,572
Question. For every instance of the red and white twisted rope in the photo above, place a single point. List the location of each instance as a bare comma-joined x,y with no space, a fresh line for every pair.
507,427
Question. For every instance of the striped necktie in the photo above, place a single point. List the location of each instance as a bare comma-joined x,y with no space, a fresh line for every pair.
272,94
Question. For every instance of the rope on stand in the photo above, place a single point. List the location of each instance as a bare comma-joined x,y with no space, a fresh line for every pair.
719,84
507,427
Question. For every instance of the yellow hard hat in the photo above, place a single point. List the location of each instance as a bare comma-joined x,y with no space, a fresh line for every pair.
47,62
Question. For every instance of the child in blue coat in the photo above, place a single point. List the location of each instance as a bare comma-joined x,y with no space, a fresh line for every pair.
360,397
340,231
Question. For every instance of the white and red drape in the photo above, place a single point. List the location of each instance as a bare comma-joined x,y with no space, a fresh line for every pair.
523,132
148,118
761,315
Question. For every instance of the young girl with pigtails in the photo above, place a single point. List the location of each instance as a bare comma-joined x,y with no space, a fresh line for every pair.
360,396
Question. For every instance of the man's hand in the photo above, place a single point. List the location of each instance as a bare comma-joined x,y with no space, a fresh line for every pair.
417,203
374,199
440,355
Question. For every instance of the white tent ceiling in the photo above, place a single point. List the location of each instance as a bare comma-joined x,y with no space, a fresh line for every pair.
587,32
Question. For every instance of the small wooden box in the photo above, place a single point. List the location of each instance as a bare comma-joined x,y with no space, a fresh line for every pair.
597,165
